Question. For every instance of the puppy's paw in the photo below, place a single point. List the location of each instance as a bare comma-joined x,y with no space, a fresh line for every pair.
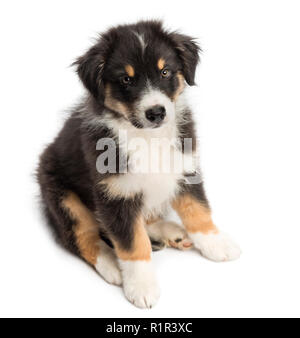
157,245
139,283
107,265
176,237
141,293
217,247
171,234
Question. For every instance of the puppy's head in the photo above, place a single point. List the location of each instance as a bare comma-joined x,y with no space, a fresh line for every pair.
138,71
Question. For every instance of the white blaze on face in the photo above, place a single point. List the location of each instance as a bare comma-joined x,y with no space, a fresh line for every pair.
141,39
152,97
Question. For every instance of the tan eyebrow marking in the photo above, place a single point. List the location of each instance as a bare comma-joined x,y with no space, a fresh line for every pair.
129,70
161,63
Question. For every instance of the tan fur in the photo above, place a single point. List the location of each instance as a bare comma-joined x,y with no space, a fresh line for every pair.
141,247
86,228
181,86
161,63
194,216
114,104
129,70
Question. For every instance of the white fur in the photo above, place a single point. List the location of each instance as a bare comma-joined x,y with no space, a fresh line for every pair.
158,187
141,39
107,265
139,283
168,232
217,247
152,97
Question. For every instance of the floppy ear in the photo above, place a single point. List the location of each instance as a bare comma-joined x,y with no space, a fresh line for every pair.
188,52
90,68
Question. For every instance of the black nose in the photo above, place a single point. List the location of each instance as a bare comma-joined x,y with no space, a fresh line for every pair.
156,114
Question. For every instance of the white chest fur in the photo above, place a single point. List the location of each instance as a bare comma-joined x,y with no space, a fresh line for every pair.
155,167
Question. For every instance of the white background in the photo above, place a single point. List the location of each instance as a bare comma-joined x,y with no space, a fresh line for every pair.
247,106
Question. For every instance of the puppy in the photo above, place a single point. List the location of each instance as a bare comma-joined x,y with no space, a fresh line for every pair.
101,207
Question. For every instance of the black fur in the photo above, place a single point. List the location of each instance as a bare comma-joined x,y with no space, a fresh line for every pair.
121,212
188,53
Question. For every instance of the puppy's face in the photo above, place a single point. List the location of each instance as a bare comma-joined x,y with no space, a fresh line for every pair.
138,71
142,79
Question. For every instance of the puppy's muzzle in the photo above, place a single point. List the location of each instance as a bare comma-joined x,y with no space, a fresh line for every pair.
156,114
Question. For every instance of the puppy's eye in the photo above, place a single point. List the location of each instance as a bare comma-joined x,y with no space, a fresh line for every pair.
126,80
166,73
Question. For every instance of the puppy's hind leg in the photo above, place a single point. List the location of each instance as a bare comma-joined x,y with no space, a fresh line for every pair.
166,233
93,249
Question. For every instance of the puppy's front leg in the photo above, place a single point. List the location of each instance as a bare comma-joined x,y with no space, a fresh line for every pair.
192,207
139,282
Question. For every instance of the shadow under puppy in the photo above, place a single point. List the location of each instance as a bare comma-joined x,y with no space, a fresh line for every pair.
135,77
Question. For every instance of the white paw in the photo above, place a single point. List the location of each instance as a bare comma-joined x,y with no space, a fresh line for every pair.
107,265
139,283
169,233
217,247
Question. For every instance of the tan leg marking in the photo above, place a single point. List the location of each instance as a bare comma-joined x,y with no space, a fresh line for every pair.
114,104
129,70
181,86
141,246
86,228
194,216
160,63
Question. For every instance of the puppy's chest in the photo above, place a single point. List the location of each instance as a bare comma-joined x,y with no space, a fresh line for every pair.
154,169
158,187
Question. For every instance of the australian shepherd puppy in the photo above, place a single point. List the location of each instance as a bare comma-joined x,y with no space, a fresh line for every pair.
126,155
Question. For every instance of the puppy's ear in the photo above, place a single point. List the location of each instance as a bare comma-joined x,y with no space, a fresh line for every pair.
90,67
188,52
